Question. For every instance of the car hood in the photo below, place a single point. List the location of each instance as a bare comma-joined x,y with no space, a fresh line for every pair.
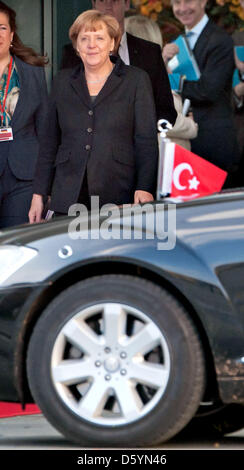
223,211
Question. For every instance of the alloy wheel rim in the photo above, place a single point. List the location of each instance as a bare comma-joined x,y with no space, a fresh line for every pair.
110,364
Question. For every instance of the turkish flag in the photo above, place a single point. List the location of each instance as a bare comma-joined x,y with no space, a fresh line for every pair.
188,176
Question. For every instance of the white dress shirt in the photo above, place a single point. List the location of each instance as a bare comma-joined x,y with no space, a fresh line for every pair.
123,50
196,31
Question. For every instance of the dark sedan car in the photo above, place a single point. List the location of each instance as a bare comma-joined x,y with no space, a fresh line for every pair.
128,329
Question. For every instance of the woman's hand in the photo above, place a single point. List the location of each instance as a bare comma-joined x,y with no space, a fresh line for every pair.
142,196
35,212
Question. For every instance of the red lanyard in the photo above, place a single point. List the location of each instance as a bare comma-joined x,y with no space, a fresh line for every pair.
2,108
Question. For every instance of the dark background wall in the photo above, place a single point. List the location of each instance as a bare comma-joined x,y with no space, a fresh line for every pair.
66,12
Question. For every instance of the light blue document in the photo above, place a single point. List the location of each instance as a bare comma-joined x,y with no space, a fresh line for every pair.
184,63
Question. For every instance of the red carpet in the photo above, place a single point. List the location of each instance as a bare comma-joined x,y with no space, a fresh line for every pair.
15,409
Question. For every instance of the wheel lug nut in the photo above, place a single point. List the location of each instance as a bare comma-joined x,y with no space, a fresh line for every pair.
123,372
123,355
107,377
98,364
107,350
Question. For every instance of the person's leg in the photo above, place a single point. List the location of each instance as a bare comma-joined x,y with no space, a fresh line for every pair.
16,200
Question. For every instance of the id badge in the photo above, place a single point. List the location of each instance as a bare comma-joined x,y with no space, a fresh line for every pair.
6,133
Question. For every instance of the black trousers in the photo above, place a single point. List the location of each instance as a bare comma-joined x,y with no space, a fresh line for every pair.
15,199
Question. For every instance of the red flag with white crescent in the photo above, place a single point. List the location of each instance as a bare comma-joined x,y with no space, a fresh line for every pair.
192,176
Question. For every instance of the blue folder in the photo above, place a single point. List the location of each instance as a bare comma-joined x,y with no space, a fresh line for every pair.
184,63
175,81
236,78
240,52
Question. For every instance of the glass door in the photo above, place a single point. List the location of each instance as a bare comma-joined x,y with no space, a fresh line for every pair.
34,22
44,25
64,14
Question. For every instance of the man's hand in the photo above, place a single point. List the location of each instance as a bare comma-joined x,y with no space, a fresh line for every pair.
35,212
142,196
169,51
239,89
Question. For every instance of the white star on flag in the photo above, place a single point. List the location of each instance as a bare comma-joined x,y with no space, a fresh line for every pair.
193,183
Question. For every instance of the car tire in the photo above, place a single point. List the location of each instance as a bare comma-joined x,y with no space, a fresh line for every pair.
116,360
215,421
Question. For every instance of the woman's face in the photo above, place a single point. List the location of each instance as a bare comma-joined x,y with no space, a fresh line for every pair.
94,46
6,35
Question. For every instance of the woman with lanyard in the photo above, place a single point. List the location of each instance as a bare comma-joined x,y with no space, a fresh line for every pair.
23,104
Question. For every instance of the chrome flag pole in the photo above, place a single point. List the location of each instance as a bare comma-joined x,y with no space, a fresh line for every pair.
164,177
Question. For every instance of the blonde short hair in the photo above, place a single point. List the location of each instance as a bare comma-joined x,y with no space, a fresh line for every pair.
91,20
144,28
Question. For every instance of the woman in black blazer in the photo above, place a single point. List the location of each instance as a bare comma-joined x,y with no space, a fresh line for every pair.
101,136
23,106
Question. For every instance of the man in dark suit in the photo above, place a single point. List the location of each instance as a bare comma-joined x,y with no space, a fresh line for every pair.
210,96
138,52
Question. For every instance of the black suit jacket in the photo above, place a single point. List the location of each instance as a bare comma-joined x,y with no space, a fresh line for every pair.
114,137
27,122
211,98
147,56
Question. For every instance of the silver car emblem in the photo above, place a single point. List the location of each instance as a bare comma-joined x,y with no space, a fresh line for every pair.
65,252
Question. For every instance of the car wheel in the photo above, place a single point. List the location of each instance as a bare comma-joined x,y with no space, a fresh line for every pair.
215,421
116,360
